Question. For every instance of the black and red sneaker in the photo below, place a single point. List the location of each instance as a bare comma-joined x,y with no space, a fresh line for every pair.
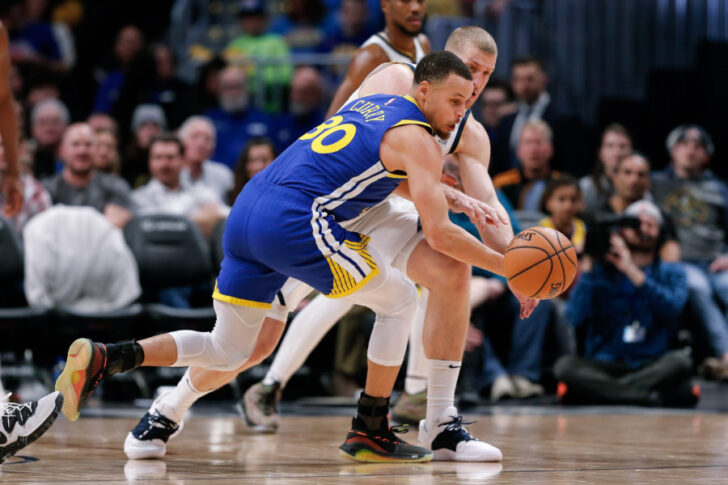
84,370
381,445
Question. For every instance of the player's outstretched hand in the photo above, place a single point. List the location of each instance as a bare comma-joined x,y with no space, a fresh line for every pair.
527,304
480,213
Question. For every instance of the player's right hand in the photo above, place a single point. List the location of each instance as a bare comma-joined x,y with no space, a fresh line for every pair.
527,304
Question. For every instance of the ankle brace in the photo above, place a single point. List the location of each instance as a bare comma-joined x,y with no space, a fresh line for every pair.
373,410
123,356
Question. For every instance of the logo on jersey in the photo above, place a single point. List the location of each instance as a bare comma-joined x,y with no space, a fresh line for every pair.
391,100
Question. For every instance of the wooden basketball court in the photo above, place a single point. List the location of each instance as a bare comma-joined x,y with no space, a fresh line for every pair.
562,448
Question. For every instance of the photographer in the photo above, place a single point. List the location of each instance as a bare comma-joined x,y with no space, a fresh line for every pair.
627,304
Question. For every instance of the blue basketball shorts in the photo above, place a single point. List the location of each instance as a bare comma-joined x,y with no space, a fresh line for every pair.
273,233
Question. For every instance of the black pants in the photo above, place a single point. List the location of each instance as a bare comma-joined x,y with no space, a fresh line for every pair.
598,382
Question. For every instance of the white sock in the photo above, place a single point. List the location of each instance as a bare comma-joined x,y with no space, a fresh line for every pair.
417,365
441,382
174,405
303,335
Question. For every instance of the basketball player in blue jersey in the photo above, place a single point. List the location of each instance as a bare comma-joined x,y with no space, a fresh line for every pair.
390,222
287,223
400,41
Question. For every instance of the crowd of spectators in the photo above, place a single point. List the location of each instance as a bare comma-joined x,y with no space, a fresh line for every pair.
143,141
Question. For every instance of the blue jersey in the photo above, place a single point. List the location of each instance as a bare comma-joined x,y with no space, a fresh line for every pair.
337,163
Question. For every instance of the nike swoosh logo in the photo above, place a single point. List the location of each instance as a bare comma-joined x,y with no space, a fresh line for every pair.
454,366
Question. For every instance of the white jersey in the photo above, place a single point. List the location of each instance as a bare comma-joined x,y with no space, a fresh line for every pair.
380,39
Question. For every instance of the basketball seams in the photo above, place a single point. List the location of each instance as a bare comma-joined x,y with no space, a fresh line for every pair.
548,256
557,254
558,238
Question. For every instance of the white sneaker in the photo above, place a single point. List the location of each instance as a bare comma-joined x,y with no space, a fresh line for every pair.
24,423
450,441
502,388
149,438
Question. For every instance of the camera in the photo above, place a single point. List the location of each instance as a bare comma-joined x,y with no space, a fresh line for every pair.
600,229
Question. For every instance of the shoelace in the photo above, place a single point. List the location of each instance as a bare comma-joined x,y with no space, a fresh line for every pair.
456,425
390,436
13,413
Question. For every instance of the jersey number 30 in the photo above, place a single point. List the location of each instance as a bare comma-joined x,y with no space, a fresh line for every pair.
325,130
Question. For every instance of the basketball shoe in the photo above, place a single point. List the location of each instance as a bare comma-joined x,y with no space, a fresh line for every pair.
258,407
87,364
450,441
381,445
22,424
149,438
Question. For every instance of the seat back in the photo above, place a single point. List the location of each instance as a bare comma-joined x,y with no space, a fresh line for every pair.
170,250
11,249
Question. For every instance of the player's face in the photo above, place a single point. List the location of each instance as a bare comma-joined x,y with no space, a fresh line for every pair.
481,67
78,148
445,104
165,163
406,15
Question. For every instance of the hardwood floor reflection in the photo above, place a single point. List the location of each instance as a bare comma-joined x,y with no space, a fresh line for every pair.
559,449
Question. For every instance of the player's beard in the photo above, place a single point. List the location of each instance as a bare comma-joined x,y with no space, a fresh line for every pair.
407,32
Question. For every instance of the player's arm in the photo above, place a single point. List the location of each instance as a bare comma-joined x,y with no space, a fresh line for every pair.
413,150
473,156
363,62
9,132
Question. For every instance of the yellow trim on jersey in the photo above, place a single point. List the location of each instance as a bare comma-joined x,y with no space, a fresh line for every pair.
344,283
238,301
393,175
411,99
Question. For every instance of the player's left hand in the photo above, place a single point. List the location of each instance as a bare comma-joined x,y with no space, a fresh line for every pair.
527,304
480,213
13,189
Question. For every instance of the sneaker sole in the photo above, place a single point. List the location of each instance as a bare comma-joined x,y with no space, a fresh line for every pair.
75,371
260,428
368,456
23,441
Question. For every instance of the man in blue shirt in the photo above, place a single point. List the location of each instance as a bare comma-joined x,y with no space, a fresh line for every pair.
628,307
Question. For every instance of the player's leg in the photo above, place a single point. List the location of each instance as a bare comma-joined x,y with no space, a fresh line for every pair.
164,419
445,328
307,329
225,348
411,406
393,298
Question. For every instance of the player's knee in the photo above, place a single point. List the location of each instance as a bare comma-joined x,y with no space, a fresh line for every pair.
453,276
264,347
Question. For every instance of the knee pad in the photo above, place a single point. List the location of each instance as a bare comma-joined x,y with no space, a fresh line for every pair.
287,300
392,328
228,346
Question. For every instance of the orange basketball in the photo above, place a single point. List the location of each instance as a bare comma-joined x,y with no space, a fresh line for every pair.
540,262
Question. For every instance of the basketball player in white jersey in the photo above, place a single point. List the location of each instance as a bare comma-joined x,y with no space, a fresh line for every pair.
445,342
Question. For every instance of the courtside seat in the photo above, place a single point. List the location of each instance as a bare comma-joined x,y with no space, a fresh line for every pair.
171,252
22,327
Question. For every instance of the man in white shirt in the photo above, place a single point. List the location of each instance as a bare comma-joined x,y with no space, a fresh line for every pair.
198,136
166,193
